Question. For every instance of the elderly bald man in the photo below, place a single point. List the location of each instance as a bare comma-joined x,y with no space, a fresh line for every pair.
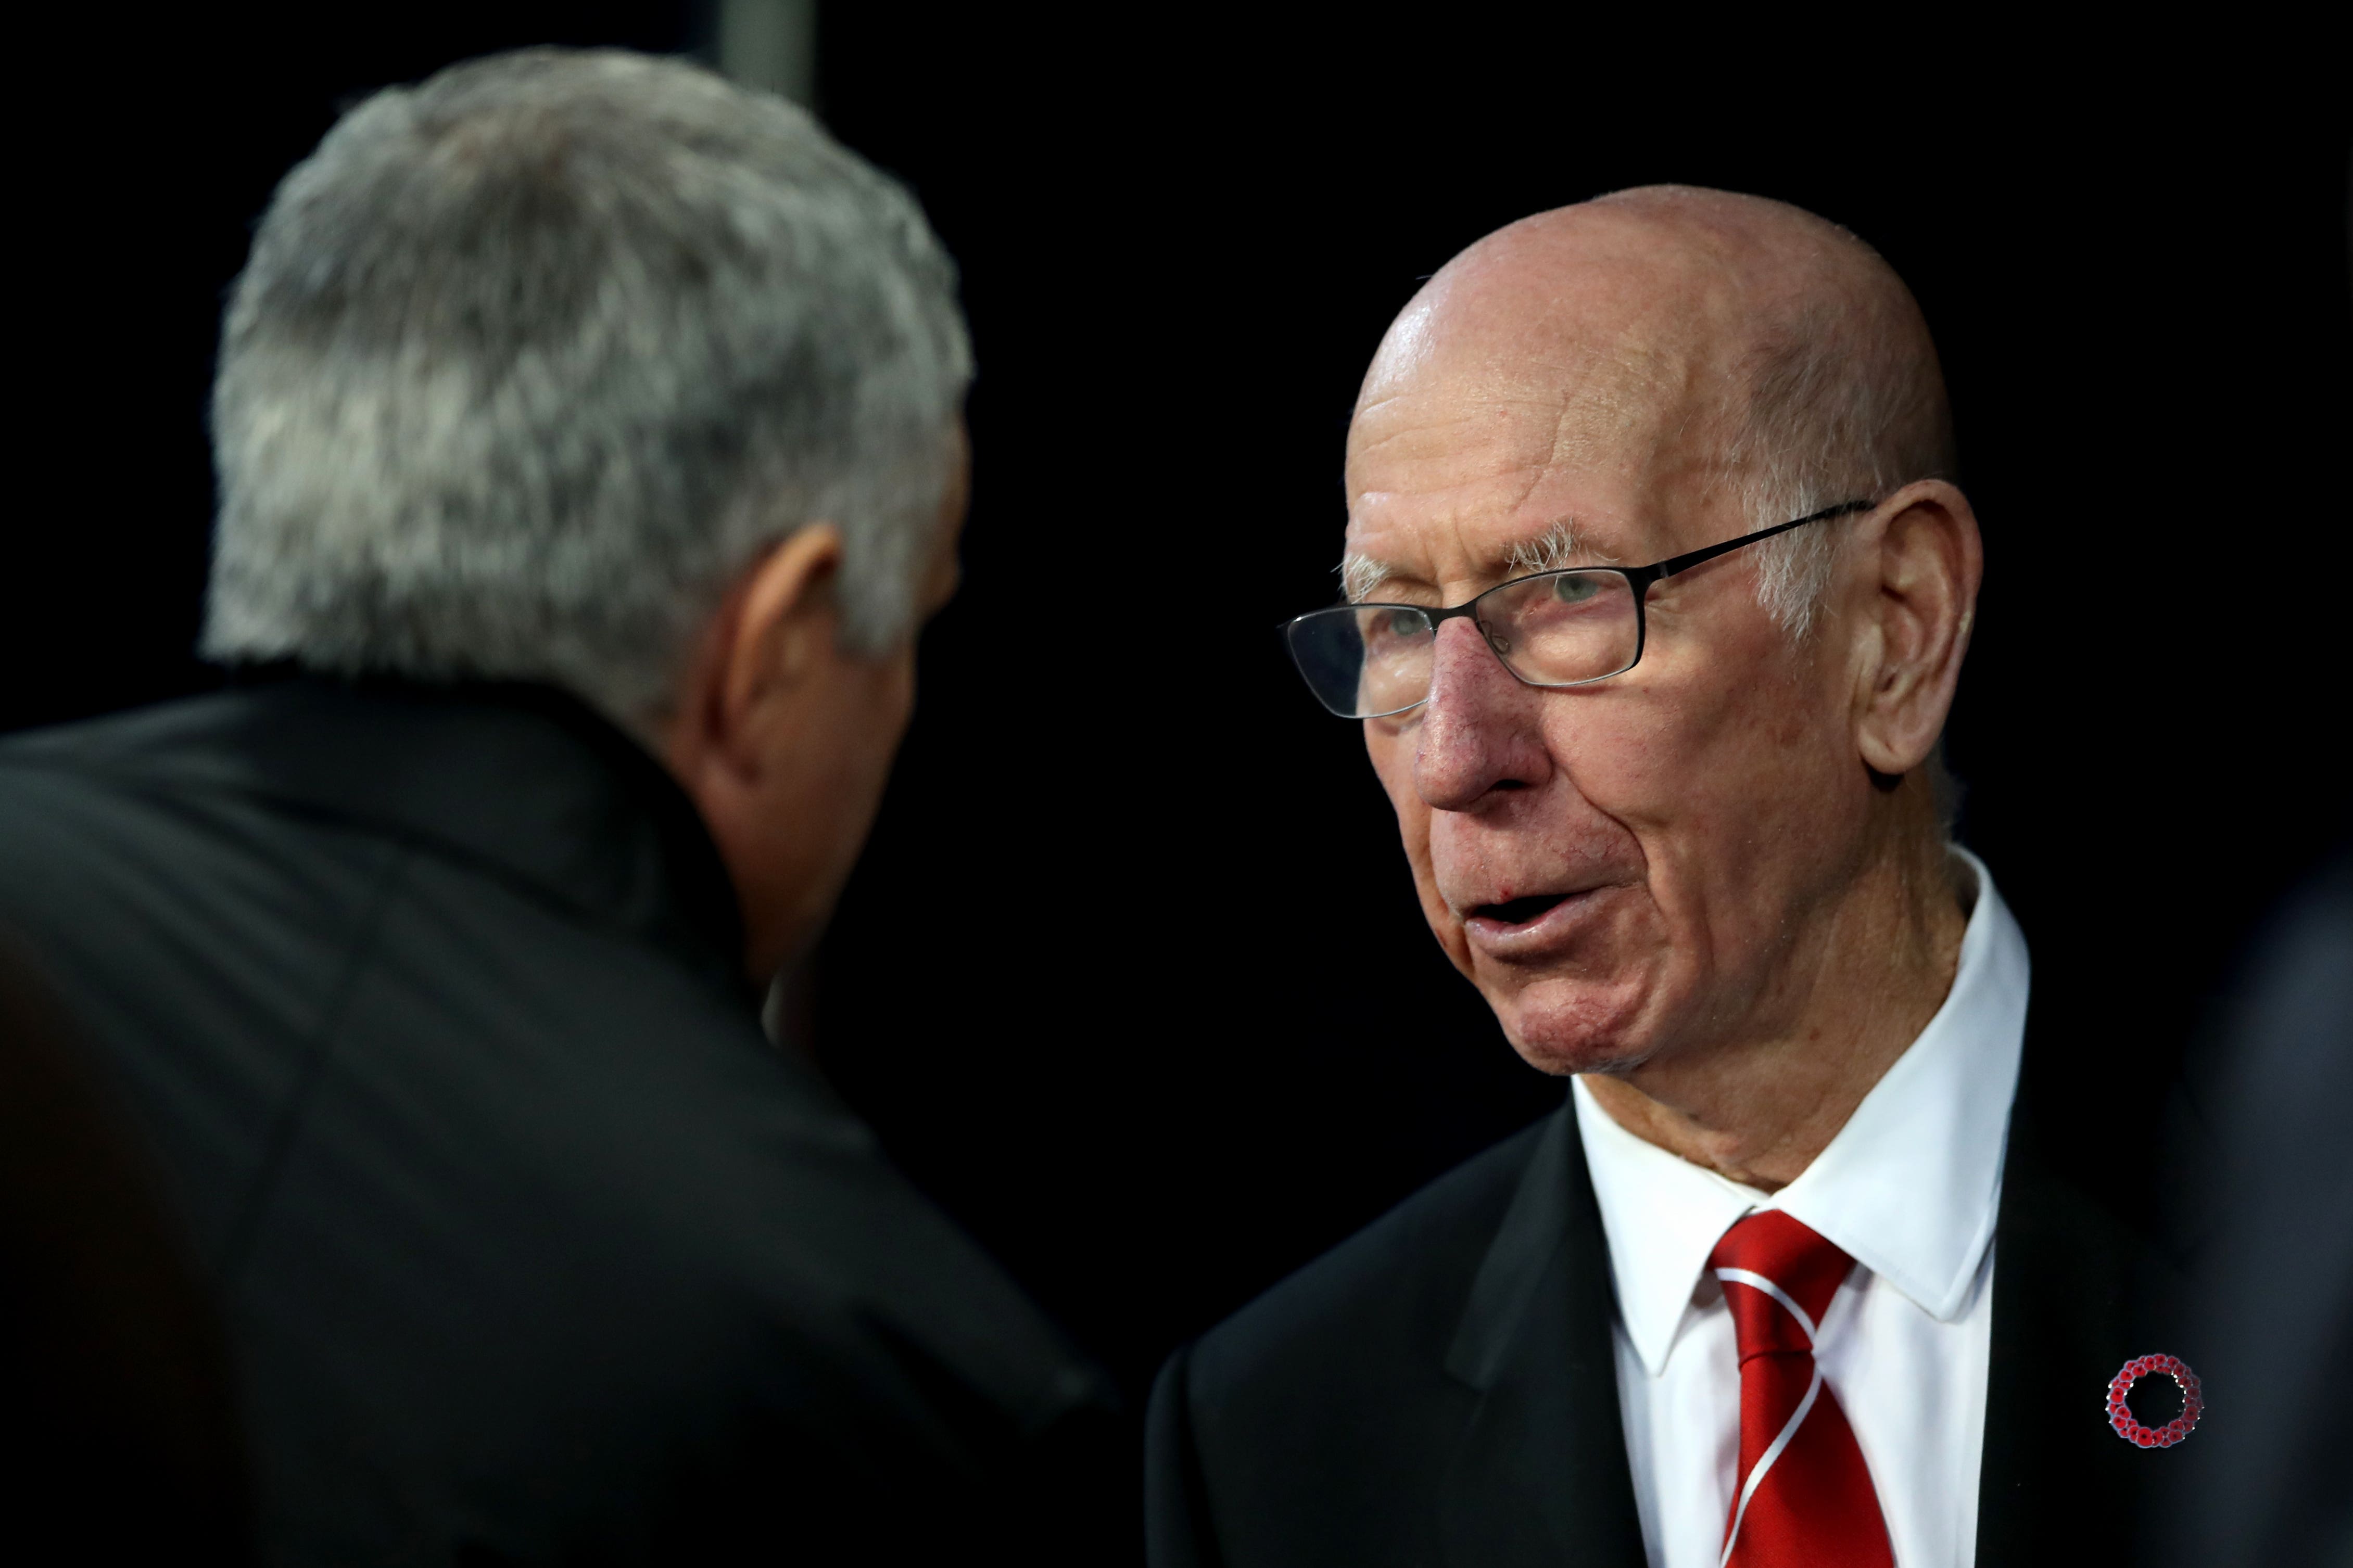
1658,587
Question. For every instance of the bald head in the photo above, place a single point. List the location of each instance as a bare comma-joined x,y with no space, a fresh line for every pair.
1695,345
1730,843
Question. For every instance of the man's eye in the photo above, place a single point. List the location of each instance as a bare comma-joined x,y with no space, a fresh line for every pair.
1575,590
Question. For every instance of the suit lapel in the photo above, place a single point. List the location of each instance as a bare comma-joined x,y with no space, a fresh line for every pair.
2078,1290
1540,1474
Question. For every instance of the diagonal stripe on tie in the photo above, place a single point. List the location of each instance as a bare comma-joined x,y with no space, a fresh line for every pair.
1805,1496
1763,1467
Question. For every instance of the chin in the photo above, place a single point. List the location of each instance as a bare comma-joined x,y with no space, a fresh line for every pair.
1564,1027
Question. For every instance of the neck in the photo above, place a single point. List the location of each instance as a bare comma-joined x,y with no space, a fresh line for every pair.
1856,991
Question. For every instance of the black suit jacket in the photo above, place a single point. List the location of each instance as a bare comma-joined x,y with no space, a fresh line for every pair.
532,1247
1442,1388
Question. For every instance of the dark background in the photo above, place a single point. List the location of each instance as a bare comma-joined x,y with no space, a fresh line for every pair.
1131,977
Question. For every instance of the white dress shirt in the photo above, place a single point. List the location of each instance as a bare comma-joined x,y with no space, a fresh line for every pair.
1909,1187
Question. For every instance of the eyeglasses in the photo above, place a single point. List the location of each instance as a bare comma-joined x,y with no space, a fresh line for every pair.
1552,629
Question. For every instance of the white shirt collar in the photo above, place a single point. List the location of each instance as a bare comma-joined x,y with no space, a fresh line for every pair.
1909,1185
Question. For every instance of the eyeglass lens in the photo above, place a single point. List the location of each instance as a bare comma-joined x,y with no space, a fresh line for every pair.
1560,629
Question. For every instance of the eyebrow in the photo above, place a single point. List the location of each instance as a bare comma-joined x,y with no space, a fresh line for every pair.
1361,576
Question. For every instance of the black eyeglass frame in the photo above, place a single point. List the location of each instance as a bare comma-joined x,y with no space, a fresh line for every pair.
1639,579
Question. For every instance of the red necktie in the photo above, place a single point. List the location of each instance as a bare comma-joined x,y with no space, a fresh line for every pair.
1805,1498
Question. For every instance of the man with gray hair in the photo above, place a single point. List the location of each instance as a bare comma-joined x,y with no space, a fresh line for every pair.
590,451
1657,591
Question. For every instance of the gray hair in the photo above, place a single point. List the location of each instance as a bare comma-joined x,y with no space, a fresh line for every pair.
1843,400
531,361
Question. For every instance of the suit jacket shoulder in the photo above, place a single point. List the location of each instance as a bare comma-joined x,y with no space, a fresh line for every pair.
1438,1389
1395,1288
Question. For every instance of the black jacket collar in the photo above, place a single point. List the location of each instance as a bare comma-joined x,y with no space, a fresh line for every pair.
1540,1475
524,782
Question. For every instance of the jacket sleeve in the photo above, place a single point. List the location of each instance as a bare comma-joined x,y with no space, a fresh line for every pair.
1177,1529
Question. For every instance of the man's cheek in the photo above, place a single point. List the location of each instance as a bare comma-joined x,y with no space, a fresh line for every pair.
1627,771
1394,769
1414,829
1390,751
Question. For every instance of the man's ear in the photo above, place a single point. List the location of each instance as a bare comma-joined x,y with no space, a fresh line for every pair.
1921,564
785,629
774,635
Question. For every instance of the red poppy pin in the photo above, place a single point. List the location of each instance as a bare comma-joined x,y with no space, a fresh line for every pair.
2120,1415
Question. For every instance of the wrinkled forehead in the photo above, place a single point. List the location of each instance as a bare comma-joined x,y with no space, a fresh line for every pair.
1626,402
1498,410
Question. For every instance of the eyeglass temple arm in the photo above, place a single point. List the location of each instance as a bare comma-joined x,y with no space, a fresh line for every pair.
1676,563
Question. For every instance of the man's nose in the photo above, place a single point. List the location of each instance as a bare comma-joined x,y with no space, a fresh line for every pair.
1477,729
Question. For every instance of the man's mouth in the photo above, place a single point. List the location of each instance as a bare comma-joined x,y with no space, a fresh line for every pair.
1519,912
